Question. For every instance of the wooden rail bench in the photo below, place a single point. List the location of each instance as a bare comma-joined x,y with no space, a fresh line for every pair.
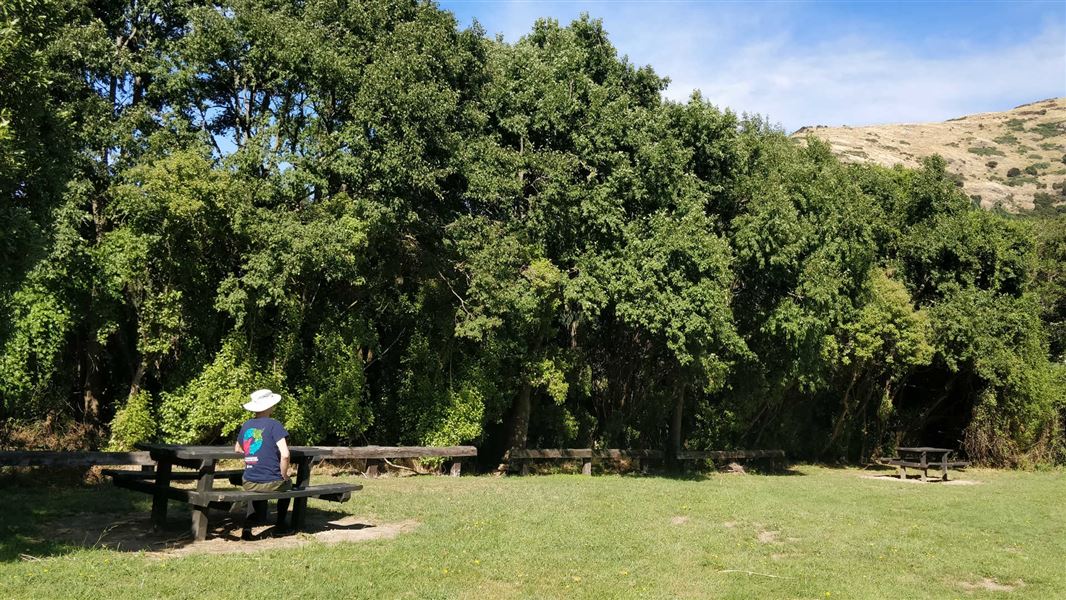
518,459
776,457
374,455
45,458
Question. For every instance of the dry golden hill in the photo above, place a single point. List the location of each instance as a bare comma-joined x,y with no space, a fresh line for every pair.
1013,159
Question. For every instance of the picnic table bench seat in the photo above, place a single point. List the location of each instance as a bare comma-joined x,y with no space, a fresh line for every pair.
951,464
924,457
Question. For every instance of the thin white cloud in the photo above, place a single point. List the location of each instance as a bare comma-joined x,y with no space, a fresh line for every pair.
752,61
857,82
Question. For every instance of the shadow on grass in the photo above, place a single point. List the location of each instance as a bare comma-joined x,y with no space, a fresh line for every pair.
43,520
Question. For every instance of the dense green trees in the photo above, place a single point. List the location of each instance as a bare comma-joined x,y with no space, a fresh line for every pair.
419,235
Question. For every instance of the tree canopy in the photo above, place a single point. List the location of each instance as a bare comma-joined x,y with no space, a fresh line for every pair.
417,234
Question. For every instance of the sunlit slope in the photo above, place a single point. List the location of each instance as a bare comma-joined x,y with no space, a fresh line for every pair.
1011,158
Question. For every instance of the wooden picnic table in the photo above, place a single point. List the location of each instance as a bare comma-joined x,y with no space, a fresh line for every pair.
204,460
923,457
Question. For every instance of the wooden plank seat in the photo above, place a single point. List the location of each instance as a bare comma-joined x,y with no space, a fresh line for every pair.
374,455
235,476
776,457
517,459
333,492
225,499
951,464
46,458
728,454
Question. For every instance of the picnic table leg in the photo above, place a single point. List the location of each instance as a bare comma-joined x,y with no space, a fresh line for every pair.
199,511
299,505
159,500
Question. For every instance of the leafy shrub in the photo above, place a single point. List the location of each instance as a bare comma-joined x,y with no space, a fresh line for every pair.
1049,128
332,403
991,164
1006,139
985,151
208,408
133,423
1014,172
1016,125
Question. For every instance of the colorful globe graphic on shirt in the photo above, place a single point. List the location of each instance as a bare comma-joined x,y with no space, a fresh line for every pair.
253,440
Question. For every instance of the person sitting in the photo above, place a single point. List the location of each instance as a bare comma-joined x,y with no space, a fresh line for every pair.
266,457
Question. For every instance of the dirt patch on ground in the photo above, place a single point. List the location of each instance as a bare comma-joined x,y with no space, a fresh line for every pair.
937,480
768,537
729,524
990,585
678,520
136,534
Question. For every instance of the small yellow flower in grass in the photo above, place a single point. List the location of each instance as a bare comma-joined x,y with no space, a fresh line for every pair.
827,594
623,573
477,562
576,578
444,571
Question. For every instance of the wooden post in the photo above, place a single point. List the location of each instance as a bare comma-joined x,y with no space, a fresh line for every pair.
199,511
372,468
525,467
586,467
159,500
902,471
457,467
925,466
299,505
944,466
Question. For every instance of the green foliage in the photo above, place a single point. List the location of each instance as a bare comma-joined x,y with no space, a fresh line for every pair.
133,423
985,151
208,408
1048,129
420,235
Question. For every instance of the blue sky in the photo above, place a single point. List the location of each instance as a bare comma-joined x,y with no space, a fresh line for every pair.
825,63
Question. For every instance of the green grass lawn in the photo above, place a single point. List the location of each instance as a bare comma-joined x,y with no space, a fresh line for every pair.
817,533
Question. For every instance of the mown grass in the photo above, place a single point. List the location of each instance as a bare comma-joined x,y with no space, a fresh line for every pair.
817,533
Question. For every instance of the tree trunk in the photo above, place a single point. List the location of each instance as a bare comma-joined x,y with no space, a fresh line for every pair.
91,385
675,424
138,379
520,416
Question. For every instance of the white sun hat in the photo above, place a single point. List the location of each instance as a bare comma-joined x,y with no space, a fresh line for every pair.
262,400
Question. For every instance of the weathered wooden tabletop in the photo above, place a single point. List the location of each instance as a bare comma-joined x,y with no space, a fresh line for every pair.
219,452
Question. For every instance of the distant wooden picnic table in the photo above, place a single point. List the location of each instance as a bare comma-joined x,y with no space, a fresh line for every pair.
923,457
204,459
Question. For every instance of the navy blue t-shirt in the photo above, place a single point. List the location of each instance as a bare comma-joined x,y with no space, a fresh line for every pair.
259,440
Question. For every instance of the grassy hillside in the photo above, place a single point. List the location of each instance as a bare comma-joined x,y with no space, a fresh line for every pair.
1015,159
